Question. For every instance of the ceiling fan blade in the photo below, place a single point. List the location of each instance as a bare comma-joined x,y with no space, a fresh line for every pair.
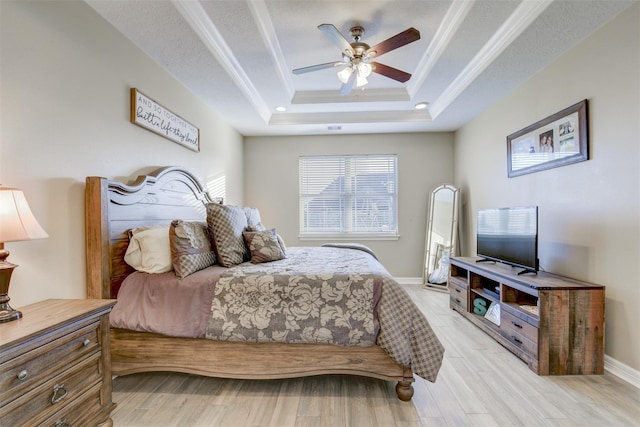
317,67
407,36
336,37
392,73
348,86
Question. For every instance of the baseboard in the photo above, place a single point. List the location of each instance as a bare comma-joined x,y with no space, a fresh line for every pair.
622,371
611,365
413,281
409,280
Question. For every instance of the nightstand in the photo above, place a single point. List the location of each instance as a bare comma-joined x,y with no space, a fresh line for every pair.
55,365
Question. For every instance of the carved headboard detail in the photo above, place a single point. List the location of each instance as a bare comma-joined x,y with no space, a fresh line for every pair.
112,208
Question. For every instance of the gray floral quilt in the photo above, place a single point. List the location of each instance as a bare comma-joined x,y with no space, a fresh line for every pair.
334,295
300,299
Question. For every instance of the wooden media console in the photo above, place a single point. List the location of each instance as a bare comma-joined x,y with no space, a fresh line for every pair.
553,323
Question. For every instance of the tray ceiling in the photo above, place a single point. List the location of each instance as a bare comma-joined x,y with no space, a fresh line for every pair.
237,56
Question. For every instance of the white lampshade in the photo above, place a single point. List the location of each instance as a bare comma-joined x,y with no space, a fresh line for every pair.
16,220
361,80
345,74
364,69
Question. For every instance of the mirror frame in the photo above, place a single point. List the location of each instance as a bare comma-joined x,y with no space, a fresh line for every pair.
426,272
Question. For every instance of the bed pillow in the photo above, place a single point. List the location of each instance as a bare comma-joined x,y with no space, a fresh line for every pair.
226,224
253,216
149,250
260,227
256,227
281,243
263,246
190,247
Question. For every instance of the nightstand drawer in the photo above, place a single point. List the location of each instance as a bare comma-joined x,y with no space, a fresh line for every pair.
54,395
34,367
79,412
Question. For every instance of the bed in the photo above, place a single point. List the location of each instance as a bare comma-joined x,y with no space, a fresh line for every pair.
114,208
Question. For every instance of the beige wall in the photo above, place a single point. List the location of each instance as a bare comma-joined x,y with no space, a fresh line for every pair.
66,76
589,212
65,82
424,162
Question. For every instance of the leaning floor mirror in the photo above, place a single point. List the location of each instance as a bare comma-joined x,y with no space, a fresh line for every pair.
442,235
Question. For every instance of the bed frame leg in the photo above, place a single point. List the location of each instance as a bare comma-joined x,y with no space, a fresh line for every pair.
404,390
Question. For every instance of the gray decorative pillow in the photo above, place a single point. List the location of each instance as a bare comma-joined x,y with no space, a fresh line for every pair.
264,246
253,216
260,227
256,227
190,247
226,224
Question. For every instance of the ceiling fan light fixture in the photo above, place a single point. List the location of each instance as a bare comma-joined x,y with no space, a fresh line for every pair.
361,80
356,57
364,69
345,74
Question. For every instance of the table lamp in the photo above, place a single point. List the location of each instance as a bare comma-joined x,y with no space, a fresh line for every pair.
16,223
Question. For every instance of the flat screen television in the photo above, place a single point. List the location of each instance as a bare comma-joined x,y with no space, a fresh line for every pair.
510,236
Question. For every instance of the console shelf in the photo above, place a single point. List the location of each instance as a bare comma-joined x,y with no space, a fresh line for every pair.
553,323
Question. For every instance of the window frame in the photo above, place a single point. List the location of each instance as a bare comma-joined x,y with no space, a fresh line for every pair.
347,196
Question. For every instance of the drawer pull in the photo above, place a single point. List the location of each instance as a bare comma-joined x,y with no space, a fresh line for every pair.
458,290
59,393
86,342
517,340
458,301
63,423
23,375
516,324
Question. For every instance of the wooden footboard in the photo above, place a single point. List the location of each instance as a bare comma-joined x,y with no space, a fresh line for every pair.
171,193
133,352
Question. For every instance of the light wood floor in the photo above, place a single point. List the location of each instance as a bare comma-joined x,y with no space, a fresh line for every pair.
480,384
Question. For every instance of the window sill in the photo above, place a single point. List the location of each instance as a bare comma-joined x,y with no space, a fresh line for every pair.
349,237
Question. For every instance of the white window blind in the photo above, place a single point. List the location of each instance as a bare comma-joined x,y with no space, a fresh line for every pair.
346,195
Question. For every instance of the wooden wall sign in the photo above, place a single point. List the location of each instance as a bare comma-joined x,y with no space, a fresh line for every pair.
147,113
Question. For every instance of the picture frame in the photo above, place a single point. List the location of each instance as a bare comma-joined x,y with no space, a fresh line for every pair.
147,113
558,140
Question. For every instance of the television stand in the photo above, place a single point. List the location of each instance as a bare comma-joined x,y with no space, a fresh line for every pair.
553,323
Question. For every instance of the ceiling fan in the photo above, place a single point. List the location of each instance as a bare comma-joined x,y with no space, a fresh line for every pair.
357,57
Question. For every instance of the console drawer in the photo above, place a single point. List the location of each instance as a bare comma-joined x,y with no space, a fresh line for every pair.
510,323
53,395
457,296
34,367
520,341
460,282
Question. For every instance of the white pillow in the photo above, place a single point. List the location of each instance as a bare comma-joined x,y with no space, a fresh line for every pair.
149,249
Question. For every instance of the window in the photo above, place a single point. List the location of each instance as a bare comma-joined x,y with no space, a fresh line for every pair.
348,195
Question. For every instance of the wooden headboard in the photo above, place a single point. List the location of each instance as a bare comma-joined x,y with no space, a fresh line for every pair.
112,208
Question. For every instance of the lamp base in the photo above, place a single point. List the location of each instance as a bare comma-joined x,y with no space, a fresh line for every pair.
7,314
